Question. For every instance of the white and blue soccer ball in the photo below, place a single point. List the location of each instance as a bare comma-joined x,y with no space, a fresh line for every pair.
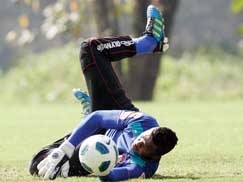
98,155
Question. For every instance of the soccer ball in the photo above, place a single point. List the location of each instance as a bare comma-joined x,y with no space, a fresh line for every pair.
98,154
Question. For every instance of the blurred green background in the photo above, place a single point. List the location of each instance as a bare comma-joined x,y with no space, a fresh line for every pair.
40,49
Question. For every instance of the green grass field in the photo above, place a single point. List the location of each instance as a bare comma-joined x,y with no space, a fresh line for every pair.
210,135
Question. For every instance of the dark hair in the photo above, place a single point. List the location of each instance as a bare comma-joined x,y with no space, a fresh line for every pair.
165,139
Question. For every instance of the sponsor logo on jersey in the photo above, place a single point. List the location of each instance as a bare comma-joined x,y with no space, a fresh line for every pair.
114,44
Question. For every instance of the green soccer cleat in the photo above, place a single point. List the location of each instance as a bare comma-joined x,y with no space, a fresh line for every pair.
155,23
84,99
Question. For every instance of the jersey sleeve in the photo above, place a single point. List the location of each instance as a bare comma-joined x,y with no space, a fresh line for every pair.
130,171
124,173
110,119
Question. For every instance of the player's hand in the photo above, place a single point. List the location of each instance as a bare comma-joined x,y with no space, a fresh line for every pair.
57,162
51,166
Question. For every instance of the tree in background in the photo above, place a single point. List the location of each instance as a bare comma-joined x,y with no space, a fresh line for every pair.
145,72
69,19
237,7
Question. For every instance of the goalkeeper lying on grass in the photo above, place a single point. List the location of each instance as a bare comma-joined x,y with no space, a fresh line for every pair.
140,140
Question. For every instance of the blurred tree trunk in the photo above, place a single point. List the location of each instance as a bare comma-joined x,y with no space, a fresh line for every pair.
169,10
104,12
143,70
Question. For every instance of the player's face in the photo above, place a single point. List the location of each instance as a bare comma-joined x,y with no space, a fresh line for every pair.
144,146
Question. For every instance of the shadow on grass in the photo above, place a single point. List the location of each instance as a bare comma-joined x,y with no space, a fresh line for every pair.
159,177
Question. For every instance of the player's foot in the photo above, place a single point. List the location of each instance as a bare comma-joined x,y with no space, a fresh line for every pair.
155,23
84,99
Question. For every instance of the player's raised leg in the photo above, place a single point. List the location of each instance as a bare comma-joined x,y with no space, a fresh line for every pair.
104,87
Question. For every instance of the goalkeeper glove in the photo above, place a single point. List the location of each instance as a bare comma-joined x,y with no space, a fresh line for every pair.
57,162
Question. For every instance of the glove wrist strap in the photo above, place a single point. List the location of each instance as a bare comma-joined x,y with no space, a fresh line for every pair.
68,148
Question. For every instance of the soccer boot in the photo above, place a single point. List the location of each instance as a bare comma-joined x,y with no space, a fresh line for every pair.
155,27
84,100
155,23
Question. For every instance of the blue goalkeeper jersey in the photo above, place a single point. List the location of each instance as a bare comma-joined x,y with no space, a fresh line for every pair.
123,127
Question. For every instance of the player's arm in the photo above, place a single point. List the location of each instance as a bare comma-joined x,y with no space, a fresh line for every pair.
124,173
105,119
131,170
96,121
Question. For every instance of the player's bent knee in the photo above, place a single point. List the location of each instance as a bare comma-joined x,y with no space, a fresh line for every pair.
85,46
85,55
